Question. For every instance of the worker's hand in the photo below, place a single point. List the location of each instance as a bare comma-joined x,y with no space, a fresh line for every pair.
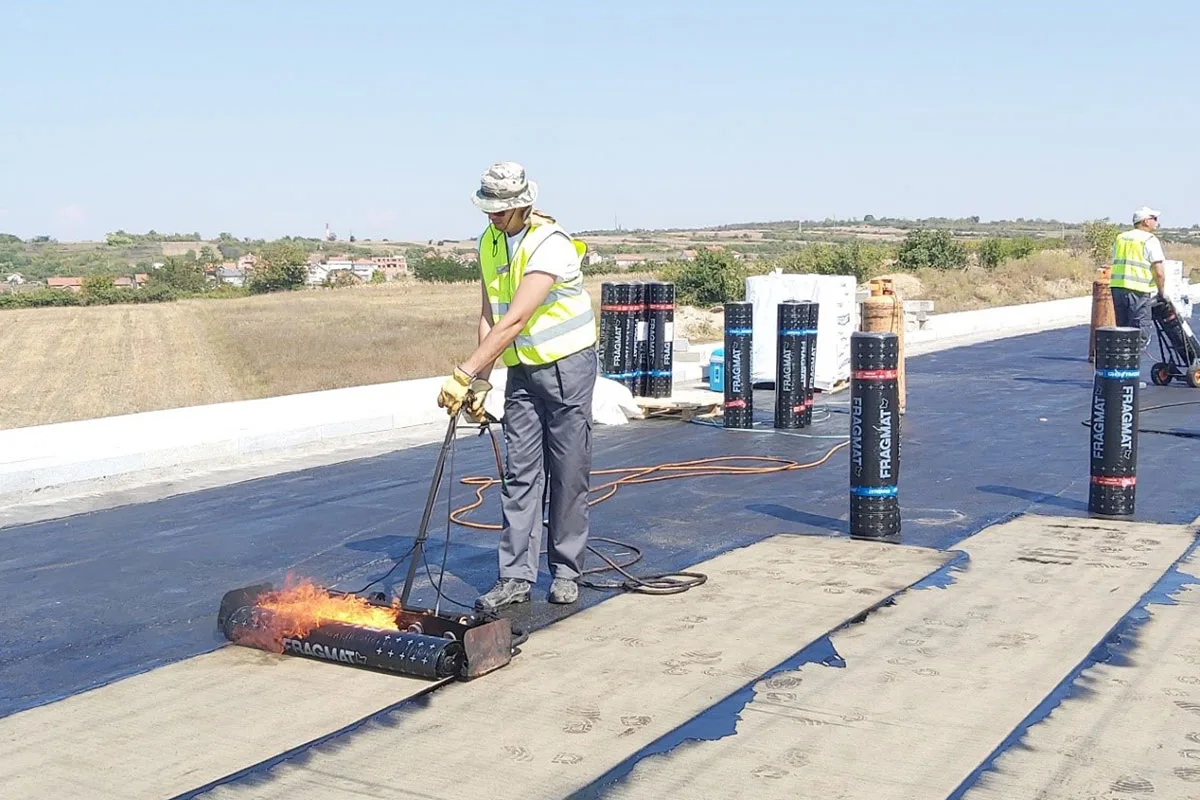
476,394
454,391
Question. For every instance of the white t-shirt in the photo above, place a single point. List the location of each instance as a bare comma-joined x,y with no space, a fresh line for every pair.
1154,250
556,256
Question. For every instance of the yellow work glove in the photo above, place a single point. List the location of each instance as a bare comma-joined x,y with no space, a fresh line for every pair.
476,394
454,391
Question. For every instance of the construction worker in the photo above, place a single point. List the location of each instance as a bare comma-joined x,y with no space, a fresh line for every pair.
1137,273
538,319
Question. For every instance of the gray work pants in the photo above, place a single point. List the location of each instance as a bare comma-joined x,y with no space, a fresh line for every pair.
1132,310
547,435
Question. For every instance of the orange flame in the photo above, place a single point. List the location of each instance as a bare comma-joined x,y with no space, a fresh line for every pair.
297,609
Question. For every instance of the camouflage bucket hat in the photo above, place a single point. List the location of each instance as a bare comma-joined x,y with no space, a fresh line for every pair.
504,186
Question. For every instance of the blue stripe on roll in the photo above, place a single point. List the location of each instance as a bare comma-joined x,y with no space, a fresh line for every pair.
874,491
1118,374
739,331
793,332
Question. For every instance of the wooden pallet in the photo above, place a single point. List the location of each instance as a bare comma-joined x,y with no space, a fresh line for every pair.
685,404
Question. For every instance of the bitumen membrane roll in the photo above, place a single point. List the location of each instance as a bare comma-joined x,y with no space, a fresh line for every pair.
739,387
810,330
791,364
874,435
410,654
1114,422
660,307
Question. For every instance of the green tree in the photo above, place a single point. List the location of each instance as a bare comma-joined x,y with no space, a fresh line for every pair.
281,266
1100,234
231,250
992,253
97,285
1021,247
443,270
713,277
180,274
924,248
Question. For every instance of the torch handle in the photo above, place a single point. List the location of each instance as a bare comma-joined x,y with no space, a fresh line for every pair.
418,550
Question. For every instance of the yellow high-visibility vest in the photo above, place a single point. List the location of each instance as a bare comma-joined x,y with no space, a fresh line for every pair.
564,324
1130,266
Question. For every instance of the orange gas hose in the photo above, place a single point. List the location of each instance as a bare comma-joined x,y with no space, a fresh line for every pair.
698,468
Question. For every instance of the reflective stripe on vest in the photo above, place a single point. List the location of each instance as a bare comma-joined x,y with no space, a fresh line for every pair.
1130,267
563,324
567,290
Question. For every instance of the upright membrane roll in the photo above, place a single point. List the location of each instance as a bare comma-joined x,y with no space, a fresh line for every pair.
611,349
810,332
627,336
874,435
739,386
641,369
791,363
660,308
1114,428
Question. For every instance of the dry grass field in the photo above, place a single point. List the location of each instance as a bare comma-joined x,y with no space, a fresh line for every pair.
64,364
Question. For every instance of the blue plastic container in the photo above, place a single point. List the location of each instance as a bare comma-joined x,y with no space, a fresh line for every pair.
716,370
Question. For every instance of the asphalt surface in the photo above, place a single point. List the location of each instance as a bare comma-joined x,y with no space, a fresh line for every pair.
992,430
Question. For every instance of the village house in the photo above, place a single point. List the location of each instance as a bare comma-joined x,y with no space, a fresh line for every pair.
68,284
393,267
627,260
230,273
364,269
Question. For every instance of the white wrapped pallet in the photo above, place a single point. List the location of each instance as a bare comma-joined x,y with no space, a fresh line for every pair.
1178,289
834,293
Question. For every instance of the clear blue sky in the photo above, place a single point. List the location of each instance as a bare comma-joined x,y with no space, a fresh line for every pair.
273,118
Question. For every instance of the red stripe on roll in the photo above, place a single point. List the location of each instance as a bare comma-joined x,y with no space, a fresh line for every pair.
1121,483
874,374
735,404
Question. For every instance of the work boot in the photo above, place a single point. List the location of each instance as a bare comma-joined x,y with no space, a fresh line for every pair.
507,591
564,590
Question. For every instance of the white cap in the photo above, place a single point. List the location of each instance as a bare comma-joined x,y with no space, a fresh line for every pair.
1145,212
